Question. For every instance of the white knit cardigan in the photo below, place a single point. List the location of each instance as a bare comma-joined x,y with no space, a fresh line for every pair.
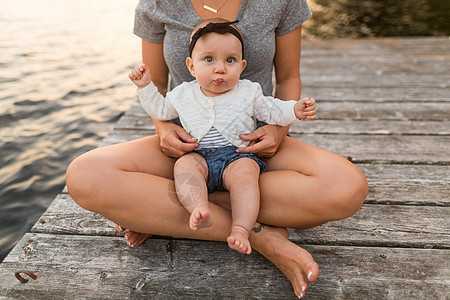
232,114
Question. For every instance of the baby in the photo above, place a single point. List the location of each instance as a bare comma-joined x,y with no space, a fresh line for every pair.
216,109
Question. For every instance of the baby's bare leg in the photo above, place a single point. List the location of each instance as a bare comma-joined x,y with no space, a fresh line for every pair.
190,175
241,179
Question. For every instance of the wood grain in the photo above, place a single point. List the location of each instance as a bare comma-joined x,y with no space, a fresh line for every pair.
384,104
106,268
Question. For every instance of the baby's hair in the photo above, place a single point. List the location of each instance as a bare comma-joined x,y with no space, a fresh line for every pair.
217,25
212,20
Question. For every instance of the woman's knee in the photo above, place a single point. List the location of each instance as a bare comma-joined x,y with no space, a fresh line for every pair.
349,193
83,180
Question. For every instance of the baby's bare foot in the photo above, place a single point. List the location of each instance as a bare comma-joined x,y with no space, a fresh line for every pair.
295,262
238,240
133,238
201,217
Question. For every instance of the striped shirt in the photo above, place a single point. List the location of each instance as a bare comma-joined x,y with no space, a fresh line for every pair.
213,139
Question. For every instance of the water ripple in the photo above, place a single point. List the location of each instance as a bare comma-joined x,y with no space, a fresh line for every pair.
63,85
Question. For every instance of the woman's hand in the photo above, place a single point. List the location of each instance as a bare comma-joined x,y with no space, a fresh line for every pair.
264,141
174,140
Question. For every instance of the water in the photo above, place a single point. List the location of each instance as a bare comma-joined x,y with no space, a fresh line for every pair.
63,82
63,85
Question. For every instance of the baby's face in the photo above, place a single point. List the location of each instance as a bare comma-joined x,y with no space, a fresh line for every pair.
216,63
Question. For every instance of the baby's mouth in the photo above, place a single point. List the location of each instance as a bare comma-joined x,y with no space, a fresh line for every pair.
219,81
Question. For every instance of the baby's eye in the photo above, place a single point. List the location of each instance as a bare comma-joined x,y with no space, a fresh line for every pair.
209,59
230,60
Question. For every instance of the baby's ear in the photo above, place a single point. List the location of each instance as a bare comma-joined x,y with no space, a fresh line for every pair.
244,64
190,65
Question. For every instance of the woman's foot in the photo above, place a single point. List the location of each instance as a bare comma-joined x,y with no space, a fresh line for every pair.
238,240
201,217
295,263
133,238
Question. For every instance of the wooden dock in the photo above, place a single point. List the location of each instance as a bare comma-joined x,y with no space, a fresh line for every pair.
382,103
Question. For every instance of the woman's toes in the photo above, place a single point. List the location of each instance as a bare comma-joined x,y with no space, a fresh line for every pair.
120,228
313,272
136,238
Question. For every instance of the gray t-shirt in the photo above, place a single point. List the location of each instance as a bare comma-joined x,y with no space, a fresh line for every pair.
172,22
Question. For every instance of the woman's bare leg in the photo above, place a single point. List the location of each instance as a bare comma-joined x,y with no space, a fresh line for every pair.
306,186
131,184
295,262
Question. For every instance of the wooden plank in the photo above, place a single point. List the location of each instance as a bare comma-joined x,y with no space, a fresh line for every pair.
352,127
374,225
384,149
392,119
330,110
398,46
384,225
357,148
341,93
66,266
64,216
379,65
329,126
380,80
407,184
404,184
383,111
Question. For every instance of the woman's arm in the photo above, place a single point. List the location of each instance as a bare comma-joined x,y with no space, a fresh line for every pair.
153,57
174,140
287,65
288,87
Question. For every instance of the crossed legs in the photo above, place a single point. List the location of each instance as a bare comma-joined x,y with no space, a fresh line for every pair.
132,185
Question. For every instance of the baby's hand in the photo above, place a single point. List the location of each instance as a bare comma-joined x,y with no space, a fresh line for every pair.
305,108
140,76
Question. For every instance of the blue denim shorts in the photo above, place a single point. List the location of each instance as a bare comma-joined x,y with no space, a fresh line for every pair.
218,159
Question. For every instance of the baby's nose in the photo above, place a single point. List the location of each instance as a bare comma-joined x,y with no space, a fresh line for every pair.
219,68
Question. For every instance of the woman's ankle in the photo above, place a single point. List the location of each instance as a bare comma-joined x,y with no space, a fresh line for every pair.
261,234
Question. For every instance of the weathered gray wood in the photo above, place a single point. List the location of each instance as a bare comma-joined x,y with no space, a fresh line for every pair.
341,93
383,149
134,122
329,110
374,225
384,111
384,104
427,185
372,127
377,80
343,119
357,148
420,47
330,126
407,184
384,225
64,216
380,65
93,267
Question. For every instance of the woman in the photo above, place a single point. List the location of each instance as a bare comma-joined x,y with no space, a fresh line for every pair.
304,186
